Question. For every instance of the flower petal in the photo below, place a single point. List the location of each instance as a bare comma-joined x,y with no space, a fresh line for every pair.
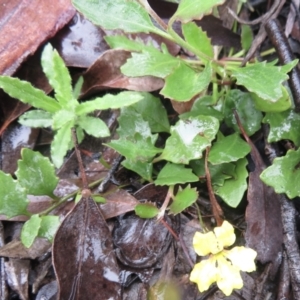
204,274
242,257
229,277
206,243
225,234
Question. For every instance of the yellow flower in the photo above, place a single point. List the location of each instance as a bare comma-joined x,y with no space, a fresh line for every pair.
222,266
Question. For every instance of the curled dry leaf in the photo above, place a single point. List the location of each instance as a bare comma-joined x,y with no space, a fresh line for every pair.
27,24
83,256
105,73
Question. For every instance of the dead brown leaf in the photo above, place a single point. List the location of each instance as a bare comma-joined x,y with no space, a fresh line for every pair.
25,24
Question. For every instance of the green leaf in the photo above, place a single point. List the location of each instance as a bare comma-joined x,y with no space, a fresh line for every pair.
48,227
262,79
36,173
204,106
230,148
139,149
62,117
218,173
93,126
26,93
197,38
150,62
191,83
99,199
189,138
13,197
183,199
125,15
289,66
243,104
284,174
57,74
190,9
146,210
172,174
109,102
30,230
151,110
36,118
283,126
60,144
233,189
246,37
282,104
124,43
144,169
77,88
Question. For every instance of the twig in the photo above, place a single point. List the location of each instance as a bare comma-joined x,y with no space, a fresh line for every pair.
216,208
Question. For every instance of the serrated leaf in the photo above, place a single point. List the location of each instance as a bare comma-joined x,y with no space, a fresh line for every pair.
150,62
60,144
158,121
30,230
63,117
77,88
93,126
191,82
230,148
26,93
13,197
125,15
183,199
57,74
218,173
233,189
262,79
36,173
289,66
144,169
124,43
172,174
36,118
48,227
109,102
284,125
197,38
284,174
139,149
189,138
243,103
146,210
190,9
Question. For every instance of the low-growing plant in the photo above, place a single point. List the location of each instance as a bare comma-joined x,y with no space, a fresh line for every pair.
197,148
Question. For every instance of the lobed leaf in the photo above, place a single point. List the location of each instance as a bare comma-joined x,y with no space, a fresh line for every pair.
189,138
48,227
144,169
13,197
58,75
26,93
128,16
190,9
262,79
150,62
36,173
172,174
185,83
183,199
228,149
283,125
30,230
284,174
